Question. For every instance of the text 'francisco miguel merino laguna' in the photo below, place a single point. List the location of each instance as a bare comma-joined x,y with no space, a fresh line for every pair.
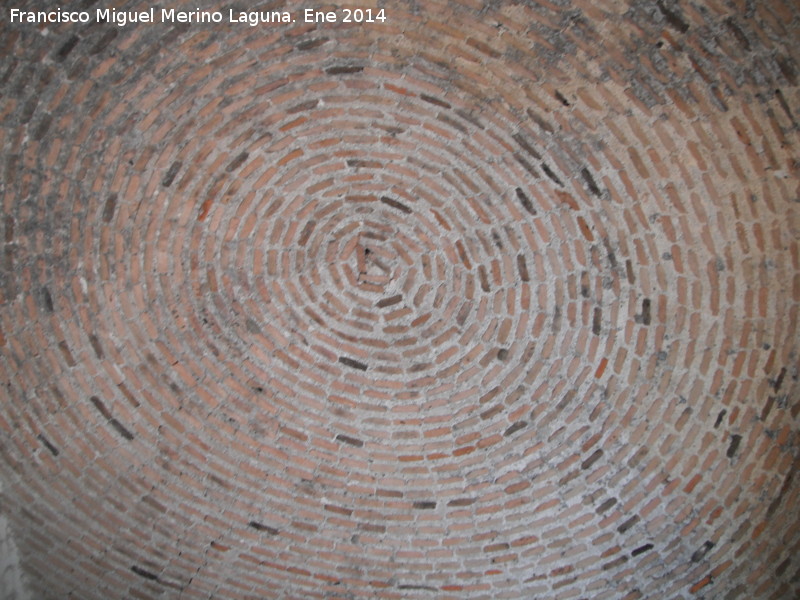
170,15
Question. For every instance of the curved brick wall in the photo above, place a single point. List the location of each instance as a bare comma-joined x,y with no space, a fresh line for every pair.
492,300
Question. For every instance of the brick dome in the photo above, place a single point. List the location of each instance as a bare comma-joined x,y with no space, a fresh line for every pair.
488,300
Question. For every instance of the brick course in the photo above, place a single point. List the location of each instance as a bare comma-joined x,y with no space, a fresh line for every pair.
490,300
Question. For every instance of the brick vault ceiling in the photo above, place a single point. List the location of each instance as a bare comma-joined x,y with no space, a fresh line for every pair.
490,300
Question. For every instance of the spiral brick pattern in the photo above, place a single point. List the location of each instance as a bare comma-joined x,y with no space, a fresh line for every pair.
490,300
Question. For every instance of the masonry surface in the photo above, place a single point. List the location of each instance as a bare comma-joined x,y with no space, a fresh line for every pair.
489,300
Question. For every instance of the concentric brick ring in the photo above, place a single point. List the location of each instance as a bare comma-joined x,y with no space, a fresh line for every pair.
484,302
